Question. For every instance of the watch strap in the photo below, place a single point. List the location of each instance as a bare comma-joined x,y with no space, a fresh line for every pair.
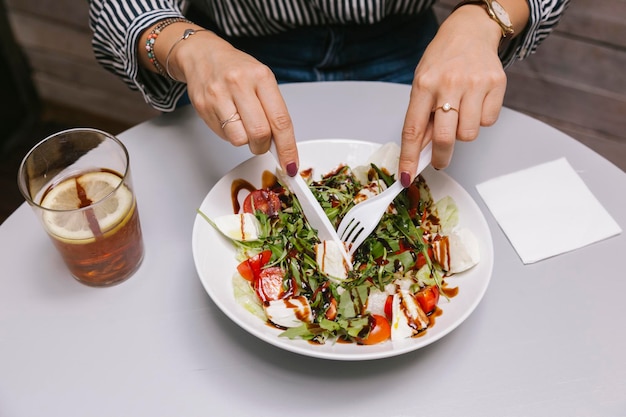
506,29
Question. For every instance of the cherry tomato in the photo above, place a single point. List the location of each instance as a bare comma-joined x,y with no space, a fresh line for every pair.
389,307
402,246
428,298
421,258
331,311
251,267
264,200
380,330
269,285
245,270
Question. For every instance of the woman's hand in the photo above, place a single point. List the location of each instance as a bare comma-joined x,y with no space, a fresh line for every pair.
460,69
236,95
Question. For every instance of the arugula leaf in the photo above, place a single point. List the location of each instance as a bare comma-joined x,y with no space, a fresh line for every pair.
389,255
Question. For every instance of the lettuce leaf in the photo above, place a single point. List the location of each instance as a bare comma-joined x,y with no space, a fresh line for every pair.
448,214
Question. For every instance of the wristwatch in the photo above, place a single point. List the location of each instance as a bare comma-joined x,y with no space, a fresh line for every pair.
496,12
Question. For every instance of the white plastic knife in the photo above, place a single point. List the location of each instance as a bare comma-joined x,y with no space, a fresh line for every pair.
311,208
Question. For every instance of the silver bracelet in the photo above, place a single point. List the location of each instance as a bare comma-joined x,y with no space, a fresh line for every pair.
186,34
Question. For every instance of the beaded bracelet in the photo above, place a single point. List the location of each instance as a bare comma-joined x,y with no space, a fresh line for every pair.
153,35
186,34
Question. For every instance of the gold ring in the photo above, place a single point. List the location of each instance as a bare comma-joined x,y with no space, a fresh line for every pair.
446,108
233,118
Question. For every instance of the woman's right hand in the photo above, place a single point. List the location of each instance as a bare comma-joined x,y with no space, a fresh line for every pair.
223,83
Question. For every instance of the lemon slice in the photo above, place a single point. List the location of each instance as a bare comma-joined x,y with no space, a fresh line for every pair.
113,211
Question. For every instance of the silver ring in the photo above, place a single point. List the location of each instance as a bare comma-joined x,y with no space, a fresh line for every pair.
233,118
446,108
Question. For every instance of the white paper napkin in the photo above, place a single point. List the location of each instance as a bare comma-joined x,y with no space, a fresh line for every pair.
547,210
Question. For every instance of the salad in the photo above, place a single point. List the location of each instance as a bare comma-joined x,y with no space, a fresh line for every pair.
289,278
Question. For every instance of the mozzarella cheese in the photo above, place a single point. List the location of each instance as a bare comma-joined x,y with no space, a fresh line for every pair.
330,259
289,312
457,252
242,227
377,299
464,249
408,319
386,158
371,190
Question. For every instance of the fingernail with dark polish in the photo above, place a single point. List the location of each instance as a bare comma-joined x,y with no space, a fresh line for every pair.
292,169
405,179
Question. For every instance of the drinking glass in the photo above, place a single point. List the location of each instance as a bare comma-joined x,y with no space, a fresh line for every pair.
78,183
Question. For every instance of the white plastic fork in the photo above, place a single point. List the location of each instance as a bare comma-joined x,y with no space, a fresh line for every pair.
363,218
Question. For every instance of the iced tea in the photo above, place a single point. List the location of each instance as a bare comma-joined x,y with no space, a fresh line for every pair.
79,185
95,226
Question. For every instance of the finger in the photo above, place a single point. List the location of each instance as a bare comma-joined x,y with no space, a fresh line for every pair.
214,104
232,129
256,128
281,127
470,113
414,132
208,103
492,105
428,137
446,117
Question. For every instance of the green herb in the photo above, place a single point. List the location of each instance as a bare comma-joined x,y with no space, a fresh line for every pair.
388,254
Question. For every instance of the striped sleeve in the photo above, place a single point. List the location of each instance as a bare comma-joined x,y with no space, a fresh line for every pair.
117,26
544,16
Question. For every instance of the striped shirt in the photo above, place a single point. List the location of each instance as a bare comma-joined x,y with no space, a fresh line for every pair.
117,26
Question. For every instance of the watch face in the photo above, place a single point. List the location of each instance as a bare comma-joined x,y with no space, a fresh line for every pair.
502,15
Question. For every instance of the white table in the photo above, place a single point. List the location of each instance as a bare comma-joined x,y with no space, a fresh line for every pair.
548,339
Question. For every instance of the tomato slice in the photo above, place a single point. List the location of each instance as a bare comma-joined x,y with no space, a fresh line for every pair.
380,330
245,270
402,246
389,307
428,298
269,285
421,258
251,267
331,311
264,200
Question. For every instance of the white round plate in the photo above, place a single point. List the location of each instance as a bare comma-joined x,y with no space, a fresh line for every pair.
215,261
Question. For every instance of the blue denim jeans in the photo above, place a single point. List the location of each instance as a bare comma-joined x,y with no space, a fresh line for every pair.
386,51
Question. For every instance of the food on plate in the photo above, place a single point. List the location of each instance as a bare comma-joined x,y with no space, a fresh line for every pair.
289,278
242,226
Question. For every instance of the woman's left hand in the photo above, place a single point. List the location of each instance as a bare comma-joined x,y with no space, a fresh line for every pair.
458,87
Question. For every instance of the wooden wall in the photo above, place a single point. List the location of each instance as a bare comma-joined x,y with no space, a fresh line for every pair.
56,38
575,82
